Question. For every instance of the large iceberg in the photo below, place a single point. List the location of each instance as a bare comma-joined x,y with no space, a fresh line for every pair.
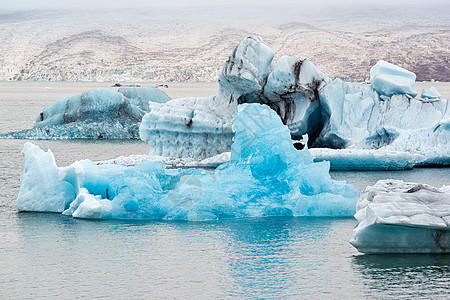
401,217
97,114
364,123
266,176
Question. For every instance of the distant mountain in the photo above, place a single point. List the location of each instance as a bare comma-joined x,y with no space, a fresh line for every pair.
192,45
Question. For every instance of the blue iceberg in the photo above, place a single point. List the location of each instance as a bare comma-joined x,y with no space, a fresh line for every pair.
266,176
101,113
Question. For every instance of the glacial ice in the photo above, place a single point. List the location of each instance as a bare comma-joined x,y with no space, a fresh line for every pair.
401,217
430,93
388,79
96,114
290,88
357,120
266,176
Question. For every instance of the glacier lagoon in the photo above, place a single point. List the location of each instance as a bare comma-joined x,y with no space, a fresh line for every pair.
274,257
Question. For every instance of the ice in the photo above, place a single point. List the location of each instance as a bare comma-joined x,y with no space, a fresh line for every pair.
291,90
141,96
381,121
408,130
266,176
430,93
399,217
366,159
40,187
101,113
201,127
173,162
188,127
248,76
388,79
246,70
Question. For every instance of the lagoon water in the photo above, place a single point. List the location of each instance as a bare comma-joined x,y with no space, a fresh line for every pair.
54,256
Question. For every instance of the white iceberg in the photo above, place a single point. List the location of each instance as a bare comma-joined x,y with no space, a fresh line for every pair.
388,79
266,176
399,217
399,127
430,93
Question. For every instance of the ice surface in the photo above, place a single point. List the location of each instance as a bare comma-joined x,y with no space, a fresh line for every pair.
356,119
141,96
188,127
97,114
366,159
41,189
388,79
399,217
430,93
246,70
383,120
266,176
291,90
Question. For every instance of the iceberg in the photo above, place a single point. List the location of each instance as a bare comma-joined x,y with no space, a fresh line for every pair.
399,128
388,79
266,176
430,93
402,217
97,114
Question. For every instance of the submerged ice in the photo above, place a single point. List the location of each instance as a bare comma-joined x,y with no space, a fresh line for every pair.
266,176
401,217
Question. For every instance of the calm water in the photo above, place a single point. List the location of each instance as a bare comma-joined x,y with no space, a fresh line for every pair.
53,256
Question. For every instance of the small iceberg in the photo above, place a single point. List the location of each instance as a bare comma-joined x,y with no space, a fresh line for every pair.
402,217
101,113
266,176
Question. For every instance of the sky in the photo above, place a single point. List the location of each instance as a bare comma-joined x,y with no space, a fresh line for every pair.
97,4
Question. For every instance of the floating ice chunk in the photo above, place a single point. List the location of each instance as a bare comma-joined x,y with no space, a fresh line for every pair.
430,93
388,79
40,188
97,114
366,159
355,118
291,90
398,217
266,176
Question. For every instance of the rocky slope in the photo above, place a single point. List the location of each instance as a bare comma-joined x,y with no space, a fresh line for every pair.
188,44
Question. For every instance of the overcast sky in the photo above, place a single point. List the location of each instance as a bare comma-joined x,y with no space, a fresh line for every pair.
91,4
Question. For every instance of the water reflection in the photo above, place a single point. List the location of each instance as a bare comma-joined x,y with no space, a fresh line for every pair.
402,276
256,258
